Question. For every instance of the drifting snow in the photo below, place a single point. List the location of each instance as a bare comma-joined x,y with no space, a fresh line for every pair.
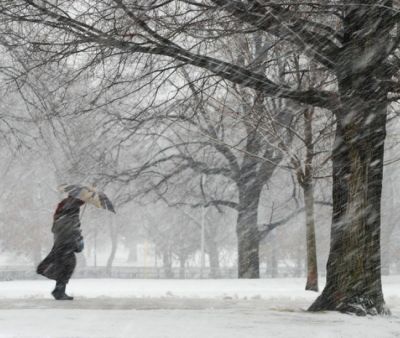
182,308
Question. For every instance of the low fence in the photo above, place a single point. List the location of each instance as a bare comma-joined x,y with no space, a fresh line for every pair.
28,272
137,272
154,273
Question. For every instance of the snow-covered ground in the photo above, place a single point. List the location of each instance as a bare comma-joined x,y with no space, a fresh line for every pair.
183,308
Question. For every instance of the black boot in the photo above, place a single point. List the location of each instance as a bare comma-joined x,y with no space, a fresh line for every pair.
59,292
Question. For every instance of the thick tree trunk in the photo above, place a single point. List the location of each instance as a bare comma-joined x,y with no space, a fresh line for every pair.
248,234
354,264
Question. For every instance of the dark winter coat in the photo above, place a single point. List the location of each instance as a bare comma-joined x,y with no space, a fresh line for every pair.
61,261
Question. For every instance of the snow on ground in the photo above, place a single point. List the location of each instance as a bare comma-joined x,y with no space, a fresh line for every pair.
111,308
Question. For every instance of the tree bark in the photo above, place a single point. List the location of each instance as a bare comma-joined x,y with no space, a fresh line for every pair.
308,190
312,265
247,232
354,263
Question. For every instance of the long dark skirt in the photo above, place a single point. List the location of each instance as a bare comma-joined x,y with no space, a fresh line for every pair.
58,265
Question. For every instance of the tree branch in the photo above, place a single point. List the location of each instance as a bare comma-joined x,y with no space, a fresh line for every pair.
286,24
165,47
266,228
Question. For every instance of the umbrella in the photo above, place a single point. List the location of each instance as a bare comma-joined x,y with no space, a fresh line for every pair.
88,194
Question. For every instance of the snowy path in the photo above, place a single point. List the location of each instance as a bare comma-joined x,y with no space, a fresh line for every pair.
190,323
174,309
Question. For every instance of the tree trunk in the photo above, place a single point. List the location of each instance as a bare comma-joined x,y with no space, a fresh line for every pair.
308,191
114,246
213,254
312,266
248,233
272,261
182,263
354,263
167,264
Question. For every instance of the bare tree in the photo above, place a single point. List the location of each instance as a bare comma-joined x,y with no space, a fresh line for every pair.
239,149
338,36
176,238
311,129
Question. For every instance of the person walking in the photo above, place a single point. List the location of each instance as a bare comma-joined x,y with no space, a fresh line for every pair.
61,261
